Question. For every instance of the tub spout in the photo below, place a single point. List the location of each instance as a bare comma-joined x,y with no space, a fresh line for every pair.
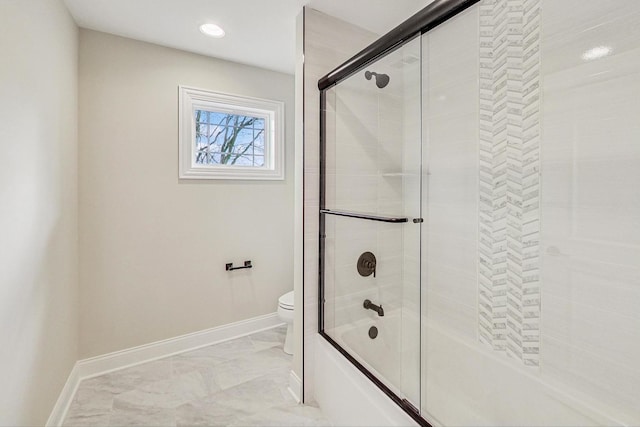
371,306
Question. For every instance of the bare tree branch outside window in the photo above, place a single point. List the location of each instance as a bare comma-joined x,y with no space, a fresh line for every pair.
229,139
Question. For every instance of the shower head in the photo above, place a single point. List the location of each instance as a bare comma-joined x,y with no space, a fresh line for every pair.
381,79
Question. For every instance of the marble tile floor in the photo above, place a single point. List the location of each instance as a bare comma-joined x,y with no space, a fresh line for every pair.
241,382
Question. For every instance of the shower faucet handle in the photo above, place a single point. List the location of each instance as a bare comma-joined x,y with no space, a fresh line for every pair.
371,266
366,264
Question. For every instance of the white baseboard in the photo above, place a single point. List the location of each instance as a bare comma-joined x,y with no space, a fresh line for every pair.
61,407
157,350
295,386
106,363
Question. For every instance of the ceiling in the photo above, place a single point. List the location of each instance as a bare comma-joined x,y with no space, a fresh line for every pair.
258,32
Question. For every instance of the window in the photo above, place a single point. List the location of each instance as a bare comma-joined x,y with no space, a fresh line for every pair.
230,137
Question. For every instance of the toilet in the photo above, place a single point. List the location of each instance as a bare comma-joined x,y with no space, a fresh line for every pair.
285,313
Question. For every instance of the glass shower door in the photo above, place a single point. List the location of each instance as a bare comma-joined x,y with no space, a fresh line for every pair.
371,219
531,247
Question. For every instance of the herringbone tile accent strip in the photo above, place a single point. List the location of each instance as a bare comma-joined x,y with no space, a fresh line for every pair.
509,288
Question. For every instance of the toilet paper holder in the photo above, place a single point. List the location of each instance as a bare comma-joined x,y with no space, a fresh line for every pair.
230,267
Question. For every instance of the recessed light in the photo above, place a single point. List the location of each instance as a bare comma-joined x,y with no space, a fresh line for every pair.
596,53
212,30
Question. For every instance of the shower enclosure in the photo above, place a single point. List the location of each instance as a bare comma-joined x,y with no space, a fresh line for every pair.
480,212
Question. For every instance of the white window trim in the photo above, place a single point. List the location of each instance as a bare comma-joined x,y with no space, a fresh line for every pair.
273,113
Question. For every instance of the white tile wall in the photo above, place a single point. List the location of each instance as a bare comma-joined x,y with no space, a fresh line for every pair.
327,43
590,229
590,203
373,159
450,175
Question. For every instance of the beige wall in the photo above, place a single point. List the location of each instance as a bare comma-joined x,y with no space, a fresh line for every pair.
38,207
153,248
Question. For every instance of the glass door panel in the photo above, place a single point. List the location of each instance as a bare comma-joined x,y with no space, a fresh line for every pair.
370,220
531,250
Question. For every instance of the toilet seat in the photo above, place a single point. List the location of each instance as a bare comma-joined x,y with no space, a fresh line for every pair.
286,301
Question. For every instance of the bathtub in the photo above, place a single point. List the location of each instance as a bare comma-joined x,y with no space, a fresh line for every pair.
463,383
393,356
